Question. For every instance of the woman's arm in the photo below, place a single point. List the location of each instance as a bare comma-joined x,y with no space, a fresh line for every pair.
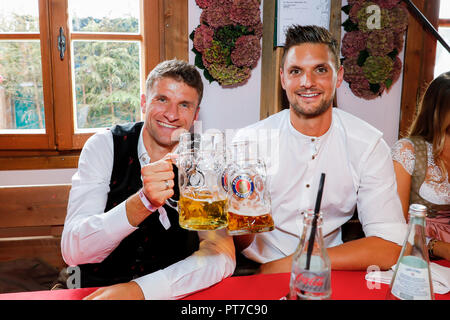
403,186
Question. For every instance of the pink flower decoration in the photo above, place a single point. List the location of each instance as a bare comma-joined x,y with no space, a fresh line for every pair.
203,38
398,18
218,13
380,42
352,2
247,51
386,4
203,3
399,41
257,29
245,12
353,42
229,76
374,48
228,40
352,72
1,79
396,70
361,89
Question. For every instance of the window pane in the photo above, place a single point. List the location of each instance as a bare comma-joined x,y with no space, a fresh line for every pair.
442,55
444,11
19,16
117,16
107,83
21,94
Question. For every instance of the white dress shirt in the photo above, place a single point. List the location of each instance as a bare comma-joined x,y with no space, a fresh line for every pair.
90,234
359,171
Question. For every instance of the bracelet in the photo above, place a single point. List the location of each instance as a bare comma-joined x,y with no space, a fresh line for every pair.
146,202
431,247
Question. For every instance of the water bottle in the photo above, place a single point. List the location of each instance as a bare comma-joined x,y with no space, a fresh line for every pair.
412,276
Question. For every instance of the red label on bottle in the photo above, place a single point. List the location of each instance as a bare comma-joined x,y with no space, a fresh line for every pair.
313,281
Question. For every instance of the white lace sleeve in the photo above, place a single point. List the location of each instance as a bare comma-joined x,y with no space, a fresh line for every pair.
403,153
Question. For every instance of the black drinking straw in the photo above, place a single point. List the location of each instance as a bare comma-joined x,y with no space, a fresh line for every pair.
314,223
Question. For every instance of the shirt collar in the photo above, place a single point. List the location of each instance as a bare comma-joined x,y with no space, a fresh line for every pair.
305,138
144,158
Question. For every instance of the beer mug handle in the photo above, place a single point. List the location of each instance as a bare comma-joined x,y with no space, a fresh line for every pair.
173,203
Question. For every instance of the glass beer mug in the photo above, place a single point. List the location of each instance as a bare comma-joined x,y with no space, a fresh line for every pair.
249,204
203,200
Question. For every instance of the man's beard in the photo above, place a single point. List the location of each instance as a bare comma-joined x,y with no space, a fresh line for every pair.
324,106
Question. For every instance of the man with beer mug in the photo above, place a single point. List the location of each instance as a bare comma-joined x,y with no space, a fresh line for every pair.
313,138
118,229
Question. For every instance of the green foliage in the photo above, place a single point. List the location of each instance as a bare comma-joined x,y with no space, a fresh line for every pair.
228,35
362,57
349,26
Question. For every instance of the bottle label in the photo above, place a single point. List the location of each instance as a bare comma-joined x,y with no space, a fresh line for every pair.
310,281
411,283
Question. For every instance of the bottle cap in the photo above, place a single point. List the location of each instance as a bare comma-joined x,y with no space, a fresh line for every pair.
418,209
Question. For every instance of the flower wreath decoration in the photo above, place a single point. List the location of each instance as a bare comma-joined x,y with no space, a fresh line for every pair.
227,42
371,63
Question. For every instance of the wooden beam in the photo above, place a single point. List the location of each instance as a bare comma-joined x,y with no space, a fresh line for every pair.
39,162
419,62
336,20
271,91
175,22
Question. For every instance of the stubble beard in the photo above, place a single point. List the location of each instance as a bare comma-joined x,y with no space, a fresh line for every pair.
303,113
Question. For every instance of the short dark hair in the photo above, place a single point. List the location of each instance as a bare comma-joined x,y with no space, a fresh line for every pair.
178,70
297,35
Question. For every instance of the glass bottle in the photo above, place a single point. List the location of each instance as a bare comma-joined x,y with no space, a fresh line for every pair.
412,276
310,278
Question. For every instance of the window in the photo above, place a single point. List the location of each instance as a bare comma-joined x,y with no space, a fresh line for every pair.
69,67
442,55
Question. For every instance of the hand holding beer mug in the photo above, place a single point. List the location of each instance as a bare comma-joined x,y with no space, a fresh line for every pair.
203,200
249,204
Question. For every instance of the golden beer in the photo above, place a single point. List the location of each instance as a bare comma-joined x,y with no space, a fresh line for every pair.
200,211
239,224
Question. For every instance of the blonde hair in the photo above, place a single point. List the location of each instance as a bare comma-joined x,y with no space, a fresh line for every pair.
431,122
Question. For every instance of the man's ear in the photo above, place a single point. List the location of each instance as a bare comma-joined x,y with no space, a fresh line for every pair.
281,78
143,103
196,113
340,76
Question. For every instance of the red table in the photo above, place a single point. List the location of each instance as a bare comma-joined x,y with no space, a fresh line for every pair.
345,285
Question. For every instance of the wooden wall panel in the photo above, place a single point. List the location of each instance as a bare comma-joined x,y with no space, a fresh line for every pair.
33,206
420,54
175,26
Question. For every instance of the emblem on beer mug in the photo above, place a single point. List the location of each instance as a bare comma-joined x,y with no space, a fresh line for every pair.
225,181
243,186
196,179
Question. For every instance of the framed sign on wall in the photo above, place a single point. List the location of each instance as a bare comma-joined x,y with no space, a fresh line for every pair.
302,12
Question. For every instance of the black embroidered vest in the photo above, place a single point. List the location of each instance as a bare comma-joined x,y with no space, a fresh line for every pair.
151,247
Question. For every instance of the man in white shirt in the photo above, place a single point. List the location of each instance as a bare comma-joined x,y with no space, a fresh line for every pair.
119,229
312,138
